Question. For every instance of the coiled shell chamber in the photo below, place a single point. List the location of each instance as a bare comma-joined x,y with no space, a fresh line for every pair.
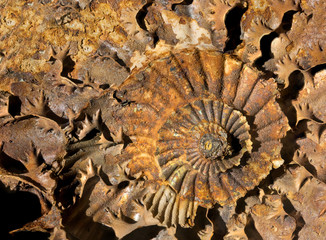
205,126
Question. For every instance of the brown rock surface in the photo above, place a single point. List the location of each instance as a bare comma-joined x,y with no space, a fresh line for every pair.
162,119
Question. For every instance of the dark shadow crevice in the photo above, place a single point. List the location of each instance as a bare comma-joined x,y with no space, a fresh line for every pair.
11,165
17,209
120,61
23,235
141,15
251,230
266,53
184,2
296,83
145,233
266,42
140,18
14,107
317,68
68,66
291,211
241,202
287,21
233,26
220,229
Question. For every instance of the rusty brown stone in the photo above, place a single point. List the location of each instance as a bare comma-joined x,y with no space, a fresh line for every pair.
155,119
307,196
177,130
311,112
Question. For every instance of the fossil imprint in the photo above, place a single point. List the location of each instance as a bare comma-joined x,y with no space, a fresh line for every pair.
151,119
204,125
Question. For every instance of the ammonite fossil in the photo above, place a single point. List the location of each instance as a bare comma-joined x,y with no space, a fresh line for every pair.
205,126
137,119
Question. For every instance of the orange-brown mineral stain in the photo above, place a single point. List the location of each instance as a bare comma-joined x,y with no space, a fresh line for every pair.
194,111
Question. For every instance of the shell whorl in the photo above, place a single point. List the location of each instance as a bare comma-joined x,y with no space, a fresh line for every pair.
192,115
212,136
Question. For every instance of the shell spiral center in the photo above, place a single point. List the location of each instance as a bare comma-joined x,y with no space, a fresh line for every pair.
215,146
207,135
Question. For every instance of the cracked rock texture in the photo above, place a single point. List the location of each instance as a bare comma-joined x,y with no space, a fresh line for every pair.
163,119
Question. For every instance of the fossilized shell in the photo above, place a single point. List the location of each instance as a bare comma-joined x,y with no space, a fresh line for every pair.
307,195
271,215
203,124
21,136
310,109
116,206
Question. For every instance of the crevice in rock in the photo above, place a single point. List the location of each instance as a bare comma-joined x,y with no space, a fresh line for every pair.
155,38
287,21
289,146
265,47
266,41
65,190
317,68
17,209
119,97
220,229
123,185
10,164
186,233
146,233
253,133
140,16
241,202
23,235
120,61
14,107
184,2
251,230
289,209
232,24
296,83
104,86
68,66
108,50
273,175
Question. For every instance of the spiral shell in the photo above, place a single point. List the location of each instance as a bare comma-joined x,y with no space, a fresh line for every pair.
204,125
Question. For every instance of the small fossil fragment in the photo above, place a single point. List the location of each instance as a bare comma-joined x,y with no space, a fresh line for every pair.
271,220
311,112
308,198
